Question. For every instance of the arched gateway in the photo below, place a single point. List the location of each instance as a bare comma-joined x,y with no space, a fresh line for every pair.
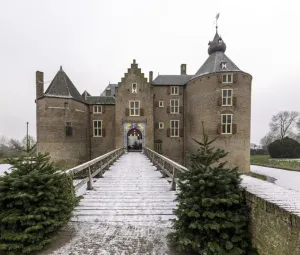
134,136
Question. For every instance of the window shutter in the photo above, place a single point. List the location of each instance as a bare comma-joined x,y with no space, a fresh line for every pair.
103,132
220,78
181,132
91,108
219,101
156,125
103,108
235,78
91,130
126,111
168,109
157,103
141,112
234,128
180,90
219,129
169,90
168,132
180,109
234,102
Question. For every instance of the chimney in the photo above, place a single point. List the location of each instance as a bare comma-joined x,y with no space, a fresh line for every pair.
39,84
150,77
183,69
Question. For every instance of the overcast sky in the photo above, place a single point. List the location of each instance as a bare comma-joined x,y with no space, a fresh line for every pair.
96,40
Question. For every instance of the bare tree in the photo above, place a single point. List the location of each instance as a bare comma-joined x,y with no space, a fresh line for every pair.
267,139
284,123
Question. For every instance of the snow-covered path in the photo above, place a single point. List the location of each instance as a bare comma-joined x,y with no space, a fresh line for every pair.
284,178
128,212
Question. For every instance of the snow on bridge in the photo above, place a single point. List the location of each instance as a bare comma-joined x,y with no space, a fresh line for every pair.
127,212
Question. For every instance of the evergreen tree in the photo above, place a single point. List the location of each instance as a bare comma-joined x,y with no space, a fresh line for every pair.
35,201
212,215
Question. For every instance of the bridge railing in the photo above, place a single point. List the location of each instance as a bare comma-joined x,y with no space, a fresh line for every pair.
167,166
85,172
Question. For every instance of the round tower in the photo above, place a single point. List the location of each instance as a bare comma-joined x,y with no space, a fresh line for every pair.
219,95
62,120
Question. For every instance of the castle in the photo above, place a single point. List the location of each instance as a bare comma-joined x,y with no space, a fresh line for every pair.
164,114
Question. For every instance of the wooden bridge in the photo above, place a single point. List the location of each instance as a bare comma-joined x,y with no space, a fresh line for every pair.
126,207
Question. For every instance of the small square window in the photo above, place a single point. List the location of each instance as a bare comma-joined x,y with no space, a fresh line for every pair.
161,125
174,90
161,103
134,88
97,109
227,78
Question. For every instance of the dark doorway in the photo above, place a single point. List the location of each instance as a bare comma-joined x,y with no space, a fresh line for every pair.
134,140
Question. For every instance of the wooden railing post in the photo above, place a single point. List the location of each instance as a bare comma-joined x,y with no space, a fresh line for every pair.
163,170
90,182
173,184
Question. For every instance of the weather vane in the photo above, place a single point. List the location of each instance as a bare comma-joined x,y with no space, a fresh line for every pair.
217,17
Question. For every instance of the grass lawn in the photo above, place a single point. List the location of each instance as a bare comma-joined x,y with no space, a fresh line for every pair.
2,160
265,160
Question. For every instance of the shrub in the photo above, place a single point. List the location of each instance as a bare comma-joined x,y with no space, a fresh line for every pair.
284,148
35,202
212,214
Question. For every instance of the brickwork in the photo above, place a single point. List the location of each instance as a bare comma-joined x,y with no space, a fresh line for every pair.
144,95
172,147
201,104
52,115
105,143
275,217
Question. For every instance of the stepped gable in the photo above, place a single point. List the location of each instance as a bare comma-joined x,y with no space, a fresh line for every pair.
62,87
134,69
217,60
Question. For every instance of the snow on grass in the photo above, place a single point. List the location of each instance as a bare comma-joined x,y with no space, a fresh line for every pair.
284,178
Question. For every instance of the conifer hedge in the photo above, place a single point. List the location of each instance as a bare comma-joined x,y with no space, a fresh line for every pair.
35,202
212,214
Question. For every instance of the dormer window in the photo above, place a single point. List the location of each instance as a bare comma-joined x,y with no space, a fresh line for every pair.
227,78
134,88
223,65
220,41
108,92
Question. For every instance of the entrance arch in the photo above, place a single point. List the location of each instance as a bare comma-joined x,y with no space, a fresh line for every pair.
134,140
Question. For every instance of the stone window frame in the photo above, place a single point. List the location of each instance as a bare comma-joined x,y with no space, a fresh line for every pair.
174,109
227,100
136,110
174,128
161,125
158,147
226,123
160,103
225,78
174,90
97,107
134,90
97,129
69,128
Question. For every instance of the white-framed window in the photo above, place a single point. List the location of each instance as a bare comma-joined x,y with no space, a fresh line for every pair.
226,123
174,128
174,90
97,128
160,103
134,88
134,108
161,125
97,109
227,78
227,97
174,106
